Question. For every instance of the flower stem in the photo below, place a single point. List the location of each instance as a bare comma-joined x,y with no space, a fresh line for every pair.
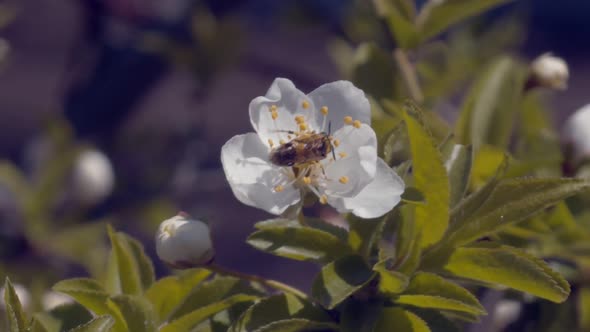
409,74
254,278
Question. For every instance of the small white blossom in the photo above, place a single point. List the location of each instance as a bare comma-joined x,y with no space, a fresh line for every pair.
350,177
576,134
23,296
52,299
93,176
550,71
183,242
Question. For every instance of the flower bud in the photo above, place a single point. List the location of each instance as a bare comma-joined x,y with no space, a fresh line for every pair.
506,312
183,242
550,72
576,136
93,178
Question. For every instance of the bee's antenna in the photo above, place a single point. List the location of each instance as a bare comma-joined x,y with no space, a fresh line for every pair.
329,127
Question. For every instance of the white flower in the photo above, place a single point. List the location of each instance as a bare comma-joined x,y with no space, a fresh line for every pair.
51,300
349,175
550,71
576,134
93,177
183,242
23,296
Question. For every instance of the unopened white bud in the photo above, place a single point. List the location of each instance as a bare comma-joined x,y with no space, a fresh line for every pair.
183,242
576,135
93,177
505,313
550,71
51,300
23,296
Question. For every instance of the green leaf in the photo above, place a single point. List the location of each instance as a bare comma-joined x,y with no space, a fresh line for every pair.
430,291
430,177
339,279
137,311
512,200
210,292
62,318
167,293
134,270
441,16
427,290
390,282
398,319
296,325
503,265
359,314
98,324
299,243
437,322
373,71
489,109
92,296
193,318
583,306
277,308
412,195
458,165
363,234
399,16
15,316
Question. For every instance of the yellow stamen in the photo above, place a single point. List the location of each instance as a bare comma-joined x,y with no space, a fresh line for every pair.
343,179
324,199
305,104
274,114
273,108
302,126
342,154
270,142
348,119
324,110
299,119
281,141
279,188
306,180
336,142
356,124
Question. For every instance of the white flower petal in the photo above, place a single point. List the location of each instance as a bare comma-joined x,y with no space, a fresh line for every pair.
253,178
356,161
289,101
377,198
342,99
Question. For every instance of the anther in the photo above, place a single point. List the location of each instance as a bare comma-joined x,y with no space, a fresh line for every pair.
270,142
356,124
324,110
289,137
324,199
306,180
343,179
273,108
279,188
299,119
305,104
302,126
348,119
336,142
274,114
342,154
281,141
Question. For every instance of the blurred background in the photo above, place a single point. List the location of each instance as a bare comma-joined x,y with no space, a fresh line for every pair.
115,110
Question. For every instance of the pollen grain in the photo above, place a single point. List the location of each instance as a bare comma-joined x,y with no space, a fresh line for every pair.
348,119
343,179
356,124
324,110
305,104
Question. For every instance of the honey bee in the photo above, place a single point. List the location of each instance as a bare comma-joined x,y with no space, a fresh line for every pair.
303,149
